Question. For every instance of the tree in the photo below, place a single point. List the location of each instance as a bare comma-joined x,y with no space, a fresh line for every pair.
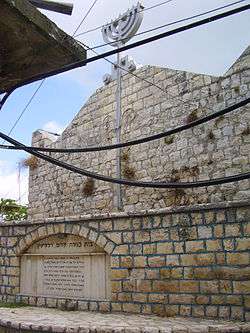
10,210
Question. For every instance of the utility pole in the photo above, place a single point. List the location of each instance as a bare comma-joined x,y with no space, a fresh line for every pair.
19,182
118,33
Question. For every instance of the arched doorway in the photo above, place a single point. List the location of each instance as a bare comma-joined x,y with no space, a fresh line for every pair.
66,266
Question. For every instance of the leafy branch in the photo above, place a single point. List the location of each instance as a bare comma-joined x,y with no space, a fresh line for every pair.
10,210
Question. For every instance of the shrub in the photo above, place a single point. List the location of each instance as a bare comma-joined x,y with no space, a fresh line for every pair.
128,172
89,186
30,162
192,117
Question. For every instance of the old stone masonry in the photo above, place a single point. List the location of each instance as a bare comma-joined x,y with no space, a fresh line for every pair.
168,252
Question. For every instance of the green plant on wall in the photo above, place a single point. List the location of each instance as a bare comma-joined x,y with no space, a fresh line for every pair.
10,210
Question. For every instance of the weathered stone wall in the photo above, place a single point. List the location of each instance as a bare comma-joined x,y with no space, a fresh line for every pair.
217,149
185,261
190,261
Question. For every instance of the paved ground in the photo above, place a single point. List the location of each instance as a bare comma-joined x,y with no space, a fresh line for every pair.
41,319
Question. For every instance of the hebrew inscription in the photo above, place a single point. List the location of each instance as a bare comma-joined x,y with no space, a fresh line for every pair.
65,266
69,243
63,276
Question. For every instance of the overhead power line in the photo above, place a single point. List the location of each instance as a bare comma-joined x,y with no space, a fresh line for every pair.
143,10
84,18
133,45
40,85
201,183
2,101
156,5
173,23
124,69
26,106
137,141
152,184
143,79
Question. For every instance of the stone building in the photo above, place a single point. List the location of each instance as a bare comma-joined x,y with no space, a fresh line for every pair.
169,252
217,149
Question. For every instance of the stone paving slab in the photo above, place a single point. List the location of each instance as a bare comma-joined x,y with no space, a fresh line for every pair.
53,320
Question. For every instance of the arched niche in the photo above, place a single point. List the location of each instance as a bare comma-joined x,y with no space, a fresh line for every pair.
65,266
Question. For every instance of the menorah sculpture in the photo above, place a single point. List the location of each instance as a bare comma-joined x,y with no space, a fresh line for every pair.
121,30
117,33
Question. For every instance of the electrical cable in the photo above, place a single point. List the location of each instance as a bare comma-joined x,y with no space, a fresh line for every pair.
139,77
5,97
171,23
84,18
124,69
201,183
143,10
42,82
69,167
26,106
133,45
126,47
136,141
155,6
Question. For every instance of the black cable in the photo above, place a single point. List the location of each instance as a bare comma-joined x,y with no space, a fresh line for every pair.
26,106
173,23
137,76
124,69
95,175
5,97
3,100
36,91
143,10
133,45
137,141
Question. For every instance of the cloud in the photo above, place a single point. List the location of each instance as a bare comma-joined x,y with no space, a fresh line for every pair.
9,183
54,127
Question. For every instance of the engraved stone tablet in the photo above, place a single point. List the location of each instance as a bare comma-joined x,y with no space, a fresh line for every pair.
65,266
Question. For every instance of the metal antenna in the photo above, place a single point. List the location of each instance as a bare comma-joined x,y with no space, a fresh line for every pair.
118,33
19,182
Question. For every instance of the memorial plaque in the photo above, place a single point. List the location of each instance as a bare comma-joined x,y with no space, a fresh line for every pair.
65,266
63,276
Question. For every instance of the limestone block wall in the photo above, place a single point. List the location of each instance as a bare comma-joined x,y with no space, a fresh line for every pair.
217,149
184,261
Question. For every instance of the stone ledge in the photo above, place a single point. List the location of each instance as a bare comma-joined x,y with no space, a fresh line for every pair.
51,320
31,44
120,215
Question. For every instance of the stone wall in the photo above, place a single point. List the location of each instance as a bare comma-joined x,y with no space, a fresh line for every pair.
166,259
184,261
217,149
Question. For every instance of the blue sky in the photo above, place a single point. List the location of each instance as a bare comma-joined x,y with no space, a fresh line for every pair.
210,49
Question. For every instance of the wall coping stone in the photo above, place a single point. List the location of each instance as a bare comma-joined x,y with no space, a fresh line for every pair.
52,320
119,215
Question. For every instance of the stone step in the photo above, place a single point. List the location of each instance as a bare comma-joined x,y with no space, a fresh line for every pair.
51,320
